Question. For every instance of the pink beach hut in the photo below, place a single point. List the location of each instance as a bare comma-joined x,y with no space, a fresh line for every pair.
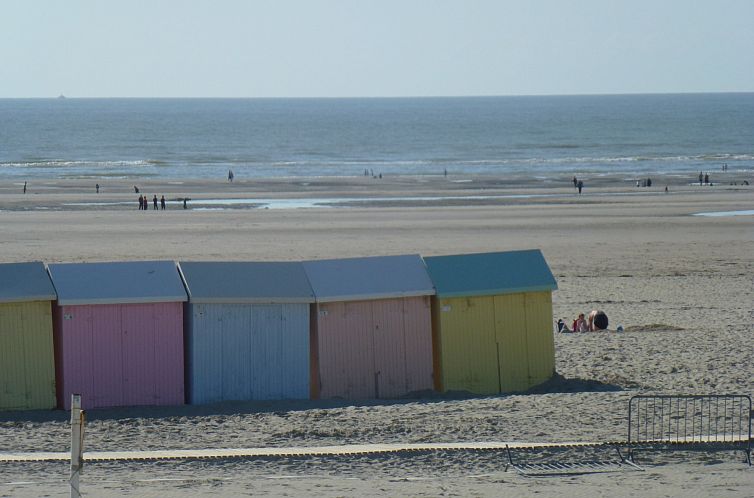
371,327
118,331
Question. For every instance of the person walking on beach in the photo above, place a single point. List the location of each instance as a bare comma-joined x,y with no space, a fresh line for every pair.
701,177
97,188
141,203
706,178
230,175
24,187
162,202
580,185
575,182
154,202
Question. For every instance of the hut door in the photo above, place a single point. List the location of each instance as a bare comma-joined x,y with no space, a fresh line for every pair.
107,362
237,352
389,348
12,367
346,360
138,354
541,348
511,334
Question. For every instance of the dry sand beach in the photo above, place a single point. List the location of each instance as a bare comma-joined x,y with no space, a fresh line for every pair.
680,284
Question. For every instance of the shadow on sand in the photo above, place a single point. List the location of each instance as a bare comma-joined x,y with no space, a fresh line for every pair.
557,384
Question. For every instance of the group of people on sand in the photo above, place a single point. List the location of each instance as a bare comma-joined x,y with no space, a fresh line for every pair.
144,202
597,320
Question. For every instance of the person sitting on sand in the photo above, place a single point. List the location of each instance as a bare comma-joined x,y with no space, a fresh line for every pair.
579,324
597,320
562,327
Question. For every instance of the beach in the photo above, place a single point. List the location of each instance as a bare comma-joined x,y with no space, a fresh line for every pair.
680,284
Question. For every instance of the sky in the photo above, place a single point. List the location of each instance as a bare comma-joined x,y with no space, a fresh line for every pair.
380,48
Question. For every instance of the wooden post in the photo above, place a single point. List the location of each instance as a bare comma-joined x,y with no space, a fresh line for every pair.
77,443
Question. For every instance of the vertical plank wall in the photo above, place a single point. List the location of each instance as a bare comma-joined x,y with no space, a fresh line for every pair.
379,348
120,354
27,370
247,352
492,344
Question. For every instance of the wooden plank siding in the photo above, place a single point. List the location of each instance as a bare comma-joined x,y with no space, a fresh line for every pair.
247,352
373,349
27,367
493,344
120,354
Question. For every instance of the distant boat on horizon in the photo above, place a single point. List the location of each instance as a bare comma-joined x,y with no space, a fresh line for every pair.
61,96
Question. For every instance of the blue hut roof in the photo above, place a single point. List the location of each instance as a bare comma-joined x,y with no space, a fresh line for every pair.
25,282
380,277
117,283
490,273
246,282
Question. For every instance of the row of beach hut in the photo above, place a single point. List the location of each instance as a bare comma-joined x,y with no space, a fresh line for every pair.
166,333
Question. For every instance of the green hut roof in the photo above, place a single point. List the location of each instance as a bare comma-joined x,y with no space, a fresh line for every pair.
490,273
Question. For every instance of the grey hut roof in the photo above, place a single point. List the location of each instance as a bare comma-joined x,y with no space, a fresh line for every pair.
368,278
490,273
25,282
246,282
117,283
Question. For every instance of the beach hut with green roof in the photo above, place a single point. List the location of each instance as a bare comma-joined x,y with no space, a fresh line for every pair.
492,321
27,366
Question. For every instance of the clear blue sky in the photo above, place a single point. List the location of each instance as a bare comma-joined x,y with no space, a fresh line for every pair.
330,48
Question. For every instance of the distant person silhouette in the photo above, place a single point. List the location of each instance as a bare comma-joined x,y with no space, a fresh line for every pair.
162,202
24,187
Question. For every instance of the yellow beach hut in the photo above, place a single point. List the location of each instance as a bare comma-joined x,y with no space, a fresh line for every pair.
492,321
27,365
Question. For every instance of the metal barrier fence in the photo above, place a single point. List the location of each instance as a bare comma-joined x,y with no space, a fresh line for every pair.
723,421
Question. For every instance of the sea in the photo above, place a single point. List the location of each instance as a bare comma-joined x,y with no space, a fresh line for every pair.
541,136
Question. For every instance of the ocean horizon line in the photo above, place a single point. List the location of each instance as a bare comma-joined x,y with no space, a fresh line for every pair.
386,97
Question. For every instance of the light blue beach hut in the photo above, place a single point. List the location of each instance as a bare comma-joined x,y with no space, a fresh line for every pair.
247,331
